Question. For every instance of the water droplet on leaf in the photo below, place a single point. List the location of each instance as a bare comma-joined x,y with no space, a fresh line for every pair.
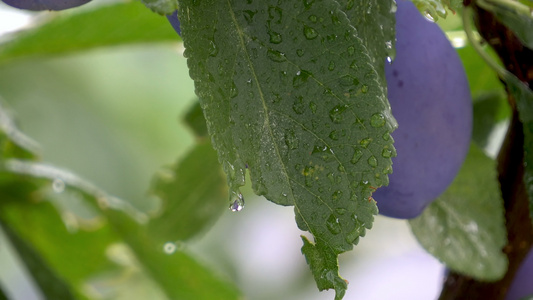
372,161
310,33
169,248
333,225
377,120
58,185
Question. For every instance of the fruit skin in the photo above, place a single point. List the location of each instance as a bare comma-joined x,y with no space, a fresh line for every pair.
45,4
522,285
173,19
430,98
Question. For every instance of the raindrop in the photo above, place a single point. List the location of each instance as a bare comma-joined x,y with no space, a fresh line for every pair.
291,140
310,33
312,106
213,50
323,151
299,52
348,80
377,120
334,135
372,161
233,91
276,56
429,16
356,156
336,195
249,15
312,18
365,142
238,202
169,248
341,211
364,89
394,7
300,78
387,136
386,153
299,106
275,38
351,50
335,114
58,185
331,66
333,225
353,236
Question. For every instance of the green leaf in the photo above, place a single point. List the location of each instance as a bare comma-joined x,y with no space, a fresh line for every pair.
324,267
194,118
163,7
515,15
117,24
490,110
178,274
465,226
193,193
524,103
50,284
290,92
375,23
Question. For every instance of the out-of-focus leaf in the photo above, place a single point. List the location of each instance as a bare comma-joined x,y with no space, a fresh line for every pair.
515,15
481,77
193,193
176,272
117,24
2,294
51,285
13,142
179,275
162,7
465,226
524,102
490,110
289,90
433,9
196,121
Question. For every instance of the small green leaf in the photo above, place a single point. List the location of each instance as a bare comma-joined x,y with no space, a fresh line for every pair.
110,25
162,7
290,92
193,193
524,102
465,226
50,284
324,267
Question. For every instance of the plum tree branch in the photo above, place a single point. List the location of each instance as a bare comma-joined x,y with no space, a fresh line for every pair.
518,60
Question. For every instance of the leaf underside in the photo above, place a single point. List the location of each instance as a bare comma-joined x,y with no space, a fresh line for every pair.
465,226
292,93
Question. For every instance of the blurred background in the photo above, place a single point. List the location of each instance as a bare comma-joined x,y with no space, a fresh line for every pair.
114,116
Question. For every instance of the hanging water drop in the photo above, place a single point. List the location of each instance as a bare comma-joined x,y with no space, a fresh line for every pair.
238,201
169,248
58,185
429,16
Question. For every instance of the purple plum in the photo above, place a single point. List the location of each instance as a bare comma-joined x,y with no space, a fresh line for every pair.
430,98
45,4
173,19
522,285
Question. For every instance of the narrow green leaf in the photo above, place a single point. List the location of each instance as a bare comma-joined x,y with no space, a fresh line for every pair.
176,272
196,121
289,91
50,284
524,102
465,227
13,142
117,24
193,193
